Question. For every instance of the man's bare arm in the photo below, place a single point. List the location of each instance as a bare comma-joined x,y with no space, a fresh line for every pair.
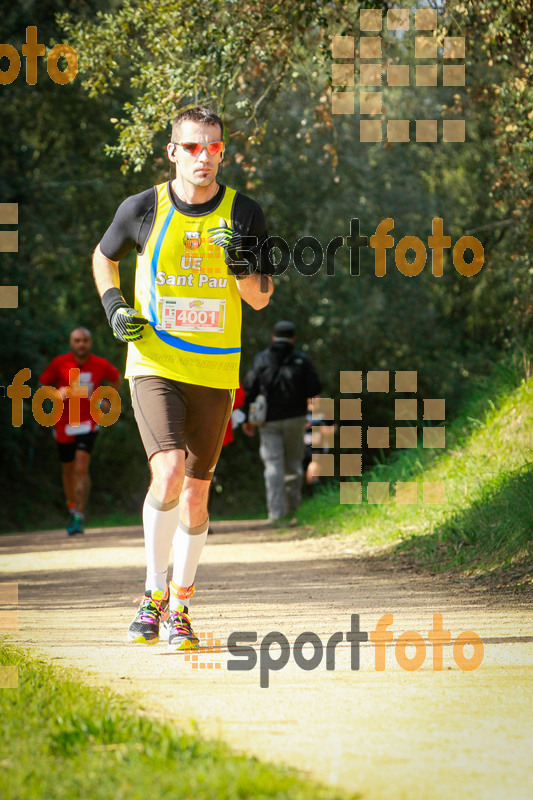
256,290
105,271
127,323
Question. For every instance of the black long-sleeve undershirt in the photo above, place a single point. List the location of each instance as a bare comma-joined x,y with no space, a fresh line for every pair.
134,220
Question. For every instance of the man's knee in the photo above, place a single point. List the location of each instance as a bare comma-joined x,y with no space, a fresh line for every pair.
194,495
274,469
273,455
168,470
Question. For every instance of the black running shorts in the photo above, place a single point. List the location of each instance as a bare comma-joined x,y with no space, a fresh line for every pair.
67,450
172,415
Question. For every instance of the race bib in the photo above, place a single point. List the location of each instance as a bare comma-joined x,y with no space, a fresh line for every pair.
79,430
86,379
192,314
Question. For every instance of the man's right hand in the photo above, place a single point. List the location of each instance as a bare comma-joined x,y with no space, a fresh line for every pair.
127,324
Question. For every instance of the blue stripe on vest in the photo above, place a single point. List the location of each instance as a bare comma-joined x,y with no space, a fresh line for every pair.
167,338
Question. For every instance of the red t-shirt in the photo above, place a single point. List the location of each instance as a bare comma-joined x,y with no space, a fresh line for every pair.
92,373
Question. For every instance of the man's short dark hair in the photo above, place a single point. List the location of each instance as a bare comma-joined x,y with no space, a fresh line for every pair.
199,114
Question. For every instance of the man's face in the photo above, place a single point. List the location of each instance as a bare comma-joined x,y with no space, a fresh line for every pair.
200,170
80,343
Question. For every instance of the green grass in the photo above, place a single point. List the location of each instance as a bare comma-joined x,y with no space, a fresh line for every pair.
486,522
62,739
114,519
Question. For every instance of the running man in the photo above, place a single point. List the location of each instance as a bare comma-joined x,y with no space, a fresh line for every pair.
75,443
184,335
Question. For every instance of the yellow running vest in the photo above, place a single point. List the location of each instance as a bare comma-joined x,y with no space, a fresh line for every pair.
184,288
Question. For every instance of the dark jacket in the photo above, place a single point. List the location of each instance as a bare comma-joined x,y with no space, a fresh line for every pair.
286,376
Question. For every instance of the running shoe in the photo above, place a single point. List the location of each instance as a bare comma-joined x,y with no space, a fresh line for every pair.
180,633
145,626
75,523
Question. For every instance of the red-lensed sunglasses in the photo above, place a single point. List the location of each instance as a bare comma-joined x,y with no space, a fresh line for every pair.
195,148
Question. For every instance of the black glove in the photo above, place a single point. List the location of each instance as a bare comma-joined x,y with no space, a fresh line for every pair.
231,241
126,322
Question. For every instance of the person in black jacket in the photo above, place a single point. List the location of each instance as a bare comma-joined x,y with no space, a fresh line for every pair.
287,378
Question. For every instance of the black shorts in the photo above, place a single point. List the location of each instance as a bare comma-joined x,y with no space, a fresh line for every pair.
67,450
173,415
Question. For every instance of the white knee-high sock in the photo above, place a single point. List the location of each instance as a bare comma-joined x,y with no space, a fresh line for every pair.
188,544
160,521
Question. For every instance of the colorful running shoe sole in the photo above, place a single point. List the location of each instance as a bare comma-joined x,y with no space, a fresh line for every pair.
153,606
180,633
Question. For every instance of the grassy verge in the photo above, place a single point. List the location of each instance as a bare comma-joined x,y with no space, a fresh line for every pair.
114,519
486,522
62,739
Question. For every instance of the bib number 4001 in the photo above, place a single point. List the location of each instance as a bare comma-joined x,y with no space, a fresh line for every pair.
194,317
192,314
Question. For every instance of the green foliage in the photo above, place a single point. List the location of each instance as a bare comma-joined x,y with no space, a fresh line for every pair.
485,522
239,491
267,69
179,54
62,739
53,166
498,104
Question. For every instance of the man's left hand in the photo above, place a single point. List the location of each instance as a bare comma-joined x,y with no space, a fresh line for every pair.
231,241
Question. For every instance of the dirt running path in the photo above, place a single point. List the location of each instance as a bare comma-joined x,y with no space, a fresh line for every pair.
391,735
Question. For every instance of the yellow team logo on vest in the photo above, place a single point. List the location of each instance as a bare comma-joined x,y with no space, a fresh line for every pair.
183,287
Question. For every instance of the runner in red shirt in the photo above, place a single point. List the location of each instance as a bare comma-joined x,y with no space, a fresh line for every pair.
75,443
